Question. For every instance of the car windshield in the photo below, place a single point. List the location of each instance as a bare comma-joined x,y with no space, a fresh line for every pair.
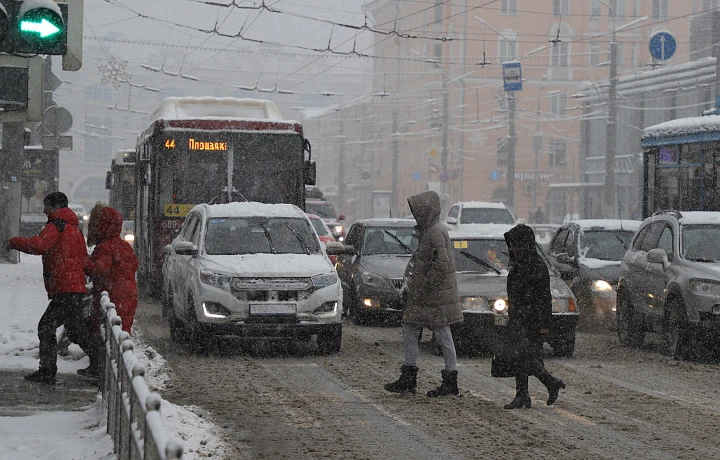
701,243
259,235
322,209
605,244
319,227
486,216
480,255
389,240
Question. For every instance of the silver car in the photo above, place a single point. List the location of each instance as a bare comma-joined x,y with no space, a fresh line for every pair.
670,282
251,270
481,263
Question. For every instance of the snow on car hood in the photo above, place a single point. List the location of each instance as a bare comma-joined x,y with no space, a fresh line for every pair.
495,286
389,266
268,265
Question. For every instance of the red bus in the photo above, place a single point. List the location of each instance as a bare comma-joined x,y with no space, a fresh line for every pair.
208,149
120,182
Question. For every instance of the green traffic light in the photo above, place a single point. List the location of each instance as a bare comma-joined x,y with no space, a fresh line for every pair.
44,27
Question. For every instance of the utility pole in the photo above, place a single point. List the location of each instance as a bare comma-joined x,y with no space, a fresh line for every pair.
341,160
511,152
611,133
394,167
444,142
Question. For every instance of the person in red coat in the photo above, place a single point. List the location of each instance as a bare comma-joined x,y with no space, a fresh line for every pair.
112,267
63,250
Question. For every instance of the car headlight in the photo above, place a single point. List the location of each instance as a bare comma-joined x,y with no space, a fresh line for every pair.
563,305
215,279
500,305
474,303
129,237
704,287
601,286
337,228
324,280
374,280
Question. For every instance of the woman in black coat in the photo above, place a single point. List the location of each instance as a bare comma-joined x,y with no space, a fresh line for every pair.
530,313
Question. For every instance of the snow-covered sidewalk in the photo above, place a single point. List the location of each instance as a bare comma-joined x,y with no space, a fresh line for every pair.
77,434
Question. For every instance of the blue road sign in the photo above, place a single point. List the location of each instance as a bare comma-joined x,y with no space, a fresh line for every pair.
494,174
417,176
512,76
662,45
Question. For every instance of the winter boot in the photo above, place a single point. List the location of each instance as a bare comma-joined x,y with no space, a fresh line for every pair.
407,383
448,386
41,377
91,373
553,385
522,396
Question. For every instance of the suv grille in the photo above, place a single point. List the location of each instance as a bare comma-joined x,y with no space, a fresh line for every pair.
271,289
397,283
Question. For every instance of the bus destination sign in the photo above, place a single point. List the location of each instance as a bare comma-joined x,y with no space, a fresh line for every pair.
171,143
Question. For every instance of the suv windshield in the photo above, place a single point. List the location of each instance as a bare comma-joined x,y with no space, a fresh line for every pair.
486,216
259,235
322,209
389,240
700,243
605,244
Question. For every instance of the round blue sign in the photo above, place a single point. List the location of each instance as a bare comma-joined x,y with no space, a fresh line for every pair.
662,45
417,176
494,174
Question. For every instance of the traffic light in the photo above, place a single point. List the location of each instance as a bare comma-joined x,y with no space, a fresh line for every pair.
33,27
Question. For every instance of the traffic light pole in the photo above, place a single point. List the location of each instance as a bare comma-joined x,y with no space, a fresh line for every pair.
11,166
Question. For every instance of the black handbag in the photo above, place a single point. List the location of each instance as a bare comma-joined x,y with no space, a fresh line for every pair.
511,353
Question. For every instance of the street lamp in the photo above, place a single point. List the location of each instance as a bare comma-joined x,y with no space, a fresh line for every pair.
395,152
611,131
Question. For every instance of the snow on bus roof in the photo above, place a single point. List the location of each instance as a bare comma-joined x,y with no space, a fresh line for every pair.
253,209
682,127
194,108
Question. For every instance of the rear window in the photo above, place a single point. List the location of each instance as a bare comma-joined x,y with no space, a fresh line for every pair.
605,244
486,216
323,209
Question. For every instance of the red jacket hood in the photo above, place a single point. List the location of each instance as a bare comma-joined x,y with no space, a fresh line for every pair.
109,225
67,215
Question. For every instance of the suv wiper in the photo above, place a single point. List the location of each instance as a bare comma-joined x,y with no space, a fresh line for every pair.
299,238
701,259
479,261
621,241
404,246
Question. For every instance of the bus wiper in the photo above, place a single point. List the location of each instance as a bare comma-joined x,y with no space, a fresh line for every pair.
299,238
479,261
404,246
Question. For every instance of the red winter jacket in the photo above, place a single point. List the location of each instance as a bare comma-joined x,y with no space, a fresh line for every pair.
112,267
63,252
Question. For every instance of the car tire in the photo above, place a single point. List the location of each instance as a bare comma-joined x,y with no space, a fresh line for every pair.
679,336
564,348
178,333
355,311
330,339
629,326
197,337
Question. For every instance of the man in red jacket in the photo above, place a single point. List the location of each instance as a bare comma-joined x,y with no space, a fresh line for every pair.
112,268
63,250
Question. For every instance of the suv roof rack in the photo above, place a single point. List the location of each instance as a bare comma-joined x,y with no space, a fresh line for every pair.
674,212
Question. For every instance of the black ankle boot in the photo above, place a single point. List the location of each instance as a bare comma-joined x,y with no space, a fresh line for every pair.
448,386
407,383
553,388
522,399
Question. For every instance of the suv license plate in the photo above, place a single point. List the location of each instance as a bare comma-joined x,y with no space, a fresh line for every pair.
273,309
501,320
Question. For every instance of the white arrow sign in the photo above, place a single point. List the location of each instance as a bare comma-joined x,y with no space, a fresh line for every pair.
45,27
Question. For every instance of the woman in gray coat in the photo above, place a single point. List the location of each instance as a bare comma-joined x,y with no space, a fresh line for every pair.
432,296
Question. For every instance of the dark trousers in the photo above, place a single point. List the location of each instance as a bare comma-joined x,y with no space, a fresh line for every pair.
533,364
65,309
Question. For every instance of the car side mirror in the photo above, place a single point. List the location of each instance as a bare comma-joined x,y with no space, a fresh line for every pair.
566,259
185,248
341,217
658,256
167,249
334,248
451,220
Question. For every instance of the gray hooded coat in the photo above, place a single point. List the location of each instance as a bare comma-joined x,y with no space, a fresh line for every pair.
432,294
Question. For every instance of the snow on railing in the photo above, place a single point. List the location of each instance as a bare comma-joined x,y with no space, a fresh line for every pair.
134,420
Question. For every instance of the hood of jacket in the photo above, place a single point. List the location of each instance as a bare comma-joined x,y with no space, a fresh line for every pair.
522,238
109,224
67,215
425,208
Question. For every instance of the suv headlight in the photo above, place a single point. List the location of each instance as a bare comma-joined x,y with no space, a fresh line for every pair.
215,279
474,303
374,280
601,286
324,280
704,287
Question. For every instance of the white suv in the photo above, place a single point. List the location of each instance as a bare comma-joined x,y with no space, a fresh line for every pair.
465,213
251,270
670,282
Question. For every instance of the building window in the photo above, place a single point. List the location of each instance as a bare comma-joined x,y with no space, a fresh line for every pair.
710,4
618,8
557,153
558,103
594,53
561,7
507,45
560,61
596,9
508,7
660,10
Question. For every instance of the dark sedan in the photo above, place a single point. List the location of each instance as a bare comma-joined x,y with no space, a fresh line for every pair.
372,272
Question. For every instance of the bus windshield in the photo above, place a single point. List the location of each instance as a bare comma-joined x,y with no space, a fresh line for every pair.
259,235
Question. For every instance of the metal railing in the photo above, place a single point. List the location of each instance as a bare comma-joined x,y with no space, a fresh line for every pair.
134,421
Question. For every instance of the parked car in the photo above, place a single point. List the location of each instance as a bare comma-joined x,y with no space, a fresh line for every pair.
327,213
587,254
372,273
670,282
251,270
481,259
465,213
323,232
